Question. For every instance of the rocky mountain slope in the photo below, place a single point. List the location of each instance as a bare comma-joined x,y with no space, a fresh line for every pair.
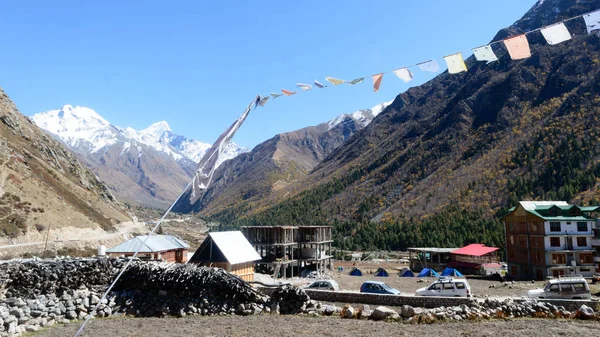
276,163
42,184
147,167
441,163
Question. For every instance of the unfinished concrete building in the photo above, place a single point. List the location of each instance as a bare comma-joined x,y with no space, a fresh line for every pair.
287,251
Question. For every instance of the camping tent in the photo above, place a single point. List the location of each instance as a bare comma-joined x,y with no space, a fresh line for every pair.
355,272
381,273
451,272
428,272
407,273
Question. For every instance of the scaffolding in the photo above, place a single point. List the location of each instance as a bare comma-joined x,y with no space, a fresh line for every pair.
288,250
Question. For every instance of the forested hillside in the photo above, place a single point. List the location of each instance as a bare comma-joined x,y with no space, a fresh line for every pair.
441,165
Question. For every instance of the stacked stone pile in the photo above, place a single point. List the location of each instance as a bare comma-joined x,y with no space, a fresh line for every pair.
291,300
35,277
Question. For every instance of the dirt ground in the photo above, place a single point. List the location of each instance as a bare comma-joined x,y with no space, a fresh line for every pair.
409,285
299,326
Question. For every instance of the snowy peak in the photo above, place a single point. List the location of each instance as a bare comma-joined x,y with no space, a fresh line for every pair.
77,126
363,117
87,132
157,130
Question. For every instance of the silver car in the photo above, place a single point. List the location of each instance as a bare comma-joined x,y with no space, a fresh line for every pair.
323,285
571,287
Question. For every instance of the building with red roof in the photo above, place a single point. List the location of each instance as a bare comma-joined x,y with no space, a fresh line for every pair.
469,259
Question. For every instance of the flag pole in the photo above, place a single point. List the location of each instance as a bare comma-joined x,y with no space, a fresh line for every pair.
230,133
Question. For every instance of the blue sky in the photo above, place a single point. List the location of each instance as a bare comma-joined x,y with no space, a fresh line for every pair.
197,64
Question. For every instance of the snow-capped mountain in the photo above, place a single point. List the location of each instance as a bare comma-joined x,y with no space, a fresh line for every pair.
363,117
147,167
87,132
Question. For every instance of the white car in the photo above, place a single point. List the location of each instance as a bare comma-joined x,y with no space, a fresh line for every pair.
447,287
570,287
323,285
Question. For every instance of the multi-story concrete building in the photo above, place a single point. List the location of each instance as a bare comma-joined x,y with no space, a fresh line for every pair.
549,238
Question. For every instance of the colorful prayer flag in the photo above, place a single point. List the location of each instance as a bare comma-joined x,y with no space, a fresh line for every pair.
404,74
319,85
356,81
592,21
377,81
287,92
275,95
263,101
518,47
209,162
303,86
430,66
455,63
334,81
555,34
485,53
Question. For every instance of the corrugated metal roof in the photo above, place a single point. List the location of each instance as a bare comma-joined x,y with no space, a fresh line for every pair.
475,249
156,243
432,249
234,246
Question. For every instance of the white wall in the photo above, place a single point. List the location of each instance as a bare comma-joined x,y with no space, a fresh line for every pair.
568,228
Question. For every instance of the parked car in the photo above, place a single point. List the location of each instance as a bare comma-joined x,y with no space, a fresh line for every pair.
323,285
447,287
569,287
377,287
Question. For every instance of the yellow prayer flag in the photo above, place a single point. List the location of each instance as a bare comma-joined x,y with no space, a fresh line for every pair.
334,81
455,63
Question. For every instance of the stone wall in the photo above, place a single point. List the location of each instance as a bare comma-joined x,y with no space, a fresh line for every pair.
390,300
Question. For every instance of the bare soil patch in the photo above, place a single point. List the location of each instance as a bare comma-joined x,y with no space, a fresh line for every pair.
297,326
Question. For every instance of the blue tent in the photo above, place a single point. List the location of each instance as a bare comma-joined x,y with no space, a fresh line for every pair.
428,273
381,273
355,272
407,273
451,272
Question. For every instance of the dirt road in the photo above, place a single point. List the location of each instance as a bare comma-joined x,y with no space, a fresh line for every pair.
302,326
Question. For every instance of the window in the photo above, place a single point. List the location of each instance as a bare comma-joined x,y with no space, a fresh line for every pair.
559,259
448,286
585,258
553,288
460,285
436,286
582,241
584,269
582,227
566,287
554,242
555,226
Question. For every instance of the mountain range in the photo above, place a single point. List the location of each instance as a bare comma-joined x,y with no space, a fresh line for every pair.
150,167
43,185
442,163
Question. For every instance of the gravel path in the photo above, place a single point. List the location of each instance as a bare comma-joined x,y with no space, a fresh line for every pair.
299,326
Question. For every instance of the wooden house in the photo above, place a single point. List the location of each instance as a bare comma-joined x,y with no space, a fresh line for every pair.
157,247
230,251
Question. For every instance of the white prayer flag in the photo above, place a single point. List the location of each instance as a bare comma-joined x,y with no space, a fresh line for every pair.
208,163
592,21
455,63
430,66
556,33
404,74
303,86
485,53
275,95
